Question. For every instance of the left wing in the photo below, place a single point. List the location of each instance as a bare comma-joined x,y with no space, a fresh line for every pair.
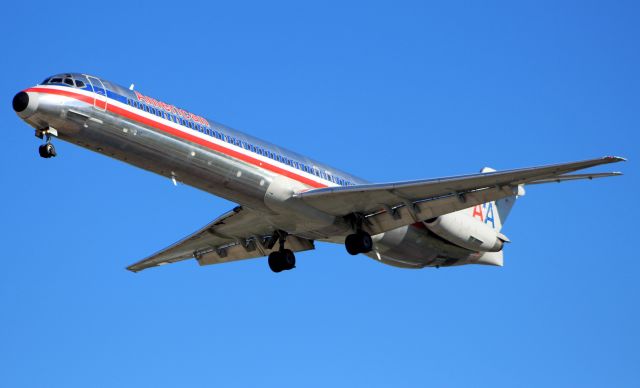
237,235
388,206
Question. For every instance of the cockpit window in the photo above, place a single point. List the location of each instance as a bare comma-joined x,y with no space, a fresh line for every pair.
68,80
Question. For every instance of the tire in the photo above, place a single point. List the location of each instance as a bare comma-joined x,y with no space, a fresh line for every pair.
51,150
42,150
351,243
366,244
288,259
275,263
358,243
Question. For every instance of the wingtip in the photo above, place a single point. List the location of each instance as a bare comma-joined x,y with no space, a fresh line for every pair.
614,159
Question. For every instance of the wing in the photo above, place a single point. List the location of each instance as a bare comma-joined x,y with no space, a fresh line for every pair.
237,235
575,177
389,206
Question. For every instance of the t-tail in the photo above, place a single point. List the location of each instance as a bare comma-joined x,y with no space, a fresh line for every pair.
495,213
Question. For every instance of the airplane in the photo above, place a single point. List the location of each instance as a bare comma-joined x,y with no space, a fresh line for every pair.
286,201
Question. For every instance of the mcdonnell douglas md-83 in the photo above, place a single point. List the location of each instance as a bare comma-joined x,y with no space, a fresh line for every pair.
287,201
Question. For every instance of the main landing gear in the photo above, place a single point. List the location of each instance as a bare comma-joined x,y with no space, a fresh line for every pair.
47,150
282,259
360,241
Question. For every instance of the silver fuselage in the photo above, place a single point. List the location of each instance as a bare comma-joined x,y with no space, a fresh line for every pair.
147,133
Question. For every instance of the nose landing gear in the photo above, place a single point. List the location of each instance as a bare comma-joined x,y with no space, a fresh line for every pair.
47,150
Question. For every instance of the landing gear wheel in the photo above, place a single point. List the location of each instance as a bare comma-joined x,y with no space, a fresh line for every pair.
282,260
47,150
359,242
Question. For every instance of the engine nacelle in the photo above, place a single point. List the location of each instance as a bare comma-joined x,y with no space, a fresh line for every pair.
467,232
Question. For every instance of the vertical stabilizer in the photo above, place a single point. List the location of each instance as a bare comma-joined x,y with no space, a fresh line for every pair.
495,213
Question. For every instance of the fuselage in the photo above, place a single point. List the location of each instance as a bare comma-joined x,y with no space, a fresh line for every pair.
185,147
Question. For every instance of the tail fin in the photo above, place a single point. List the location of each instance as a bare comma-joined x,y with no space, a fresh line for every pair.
495,213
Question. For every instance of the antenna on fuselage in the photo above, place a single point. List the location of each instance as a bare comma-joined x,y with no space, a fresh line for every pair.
131,87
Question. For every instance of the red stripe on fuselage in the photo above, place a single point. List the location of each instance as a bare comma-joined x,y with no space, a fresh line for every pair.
185,136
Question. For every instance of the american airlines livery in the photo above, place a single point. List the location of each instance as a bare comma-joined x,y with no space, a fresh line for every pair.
287,201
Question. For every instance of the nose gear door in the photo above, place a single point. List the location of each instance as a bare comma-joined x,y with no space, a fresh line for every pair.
100,93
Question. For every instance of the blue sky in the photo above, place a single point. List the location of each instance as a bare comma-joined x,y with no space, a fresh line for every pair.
387,92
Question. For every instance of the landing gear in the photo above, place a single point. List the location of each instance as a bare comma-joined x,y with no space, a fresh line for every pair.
282,259
47,150
359,242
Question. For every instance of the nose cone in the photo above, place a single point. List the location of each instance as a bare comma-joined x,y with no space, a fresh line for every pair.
20,102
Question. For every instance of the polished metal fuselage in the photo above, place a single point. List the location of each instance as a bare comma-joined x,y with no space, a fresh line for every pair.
101,130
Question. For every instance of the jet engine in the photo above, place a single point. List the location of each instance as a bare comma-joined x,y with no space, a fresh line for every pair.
467,232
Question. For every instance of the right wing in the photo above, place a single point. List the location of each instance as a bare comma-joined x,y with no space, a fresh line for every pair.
237,235
388,206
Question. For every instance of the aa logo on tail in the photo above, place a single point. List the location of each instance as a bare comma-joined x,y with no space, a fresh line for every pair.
484,213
